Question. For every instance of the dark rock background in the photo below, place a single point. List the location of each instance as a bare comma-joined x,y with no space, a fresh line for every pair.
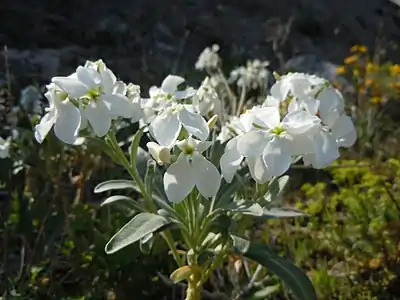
144,40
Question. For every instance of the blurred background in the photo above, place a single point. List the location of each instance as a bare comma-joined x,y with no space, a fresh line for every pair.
53,231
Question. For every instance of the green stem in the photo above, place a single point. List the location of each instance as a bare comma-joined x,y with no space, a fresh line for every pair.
166,234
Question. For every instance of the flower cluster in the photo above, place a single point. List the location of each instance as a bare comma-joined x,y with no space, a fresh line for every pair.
314,127
252,76
209,59
179,123
88,99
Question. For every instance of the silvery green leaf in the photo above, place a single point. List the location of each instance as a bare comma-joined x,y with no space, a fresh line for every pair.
241,245
137,228
245,207
276,188
290,274
135,146
282,213
117,184
118,198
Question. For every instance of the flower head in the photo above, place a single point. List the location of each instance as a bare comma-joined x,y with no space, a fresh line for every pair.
191,170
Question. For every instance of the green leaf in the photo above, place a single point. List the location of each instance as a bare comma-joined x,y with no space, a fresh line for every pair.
240,244
282,213
116,184
266,292
245,207
276,188
137,228
134,146
291,275
118,198
182,273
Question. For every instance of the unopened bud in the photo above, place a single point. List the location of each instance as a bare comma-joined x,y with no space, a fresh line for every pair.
276,76
213,120
160,154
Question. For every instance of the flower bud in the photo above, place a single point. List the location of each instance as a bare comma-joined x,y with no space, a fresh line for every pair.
213,120
159,153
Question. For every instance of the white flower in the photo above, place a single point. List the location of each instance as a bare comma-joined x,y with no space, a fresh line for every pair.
191,169
277,141
4,147
297,85
168,92
206,99
208,59
254,75
166,127
232,127
62,114
161,154
97,100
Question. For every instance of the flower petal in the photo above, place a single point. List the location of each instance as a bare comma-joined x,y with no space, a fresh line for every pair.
195,124
300,122
252,143
45,125
258,169
179,180
72,86
342,127
326,150
108,81
347,140
170,83
206,175
99,118
189,92
90,77
165,128
230,160
68,122
276,159
118,105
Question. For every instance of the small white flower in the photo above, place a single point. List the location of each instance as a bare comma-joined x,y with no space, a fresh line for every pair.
277,141
168,92
208,59
95,91
4,147
232,127
206,99
62,114
165,127
191,170
161,154
252,76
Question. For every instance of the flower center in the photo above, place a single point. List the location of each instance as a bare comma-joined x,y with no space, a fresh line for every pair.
279,130
94,93
188,150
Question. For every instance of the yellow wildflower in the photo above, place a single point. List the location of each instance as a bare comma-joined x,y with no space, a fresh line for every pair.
395,70
351,59
341,70
376,100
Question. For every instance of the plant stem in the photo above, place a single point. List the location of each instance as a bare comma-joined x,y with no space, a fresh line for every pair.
193,290
232,97
241,101
151,205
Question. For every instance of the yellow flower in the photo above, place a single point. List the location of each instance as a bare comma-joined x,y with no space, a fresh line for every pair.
369,82
341,70
351,59
376,100
371,67
395,70
362,49
359,48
